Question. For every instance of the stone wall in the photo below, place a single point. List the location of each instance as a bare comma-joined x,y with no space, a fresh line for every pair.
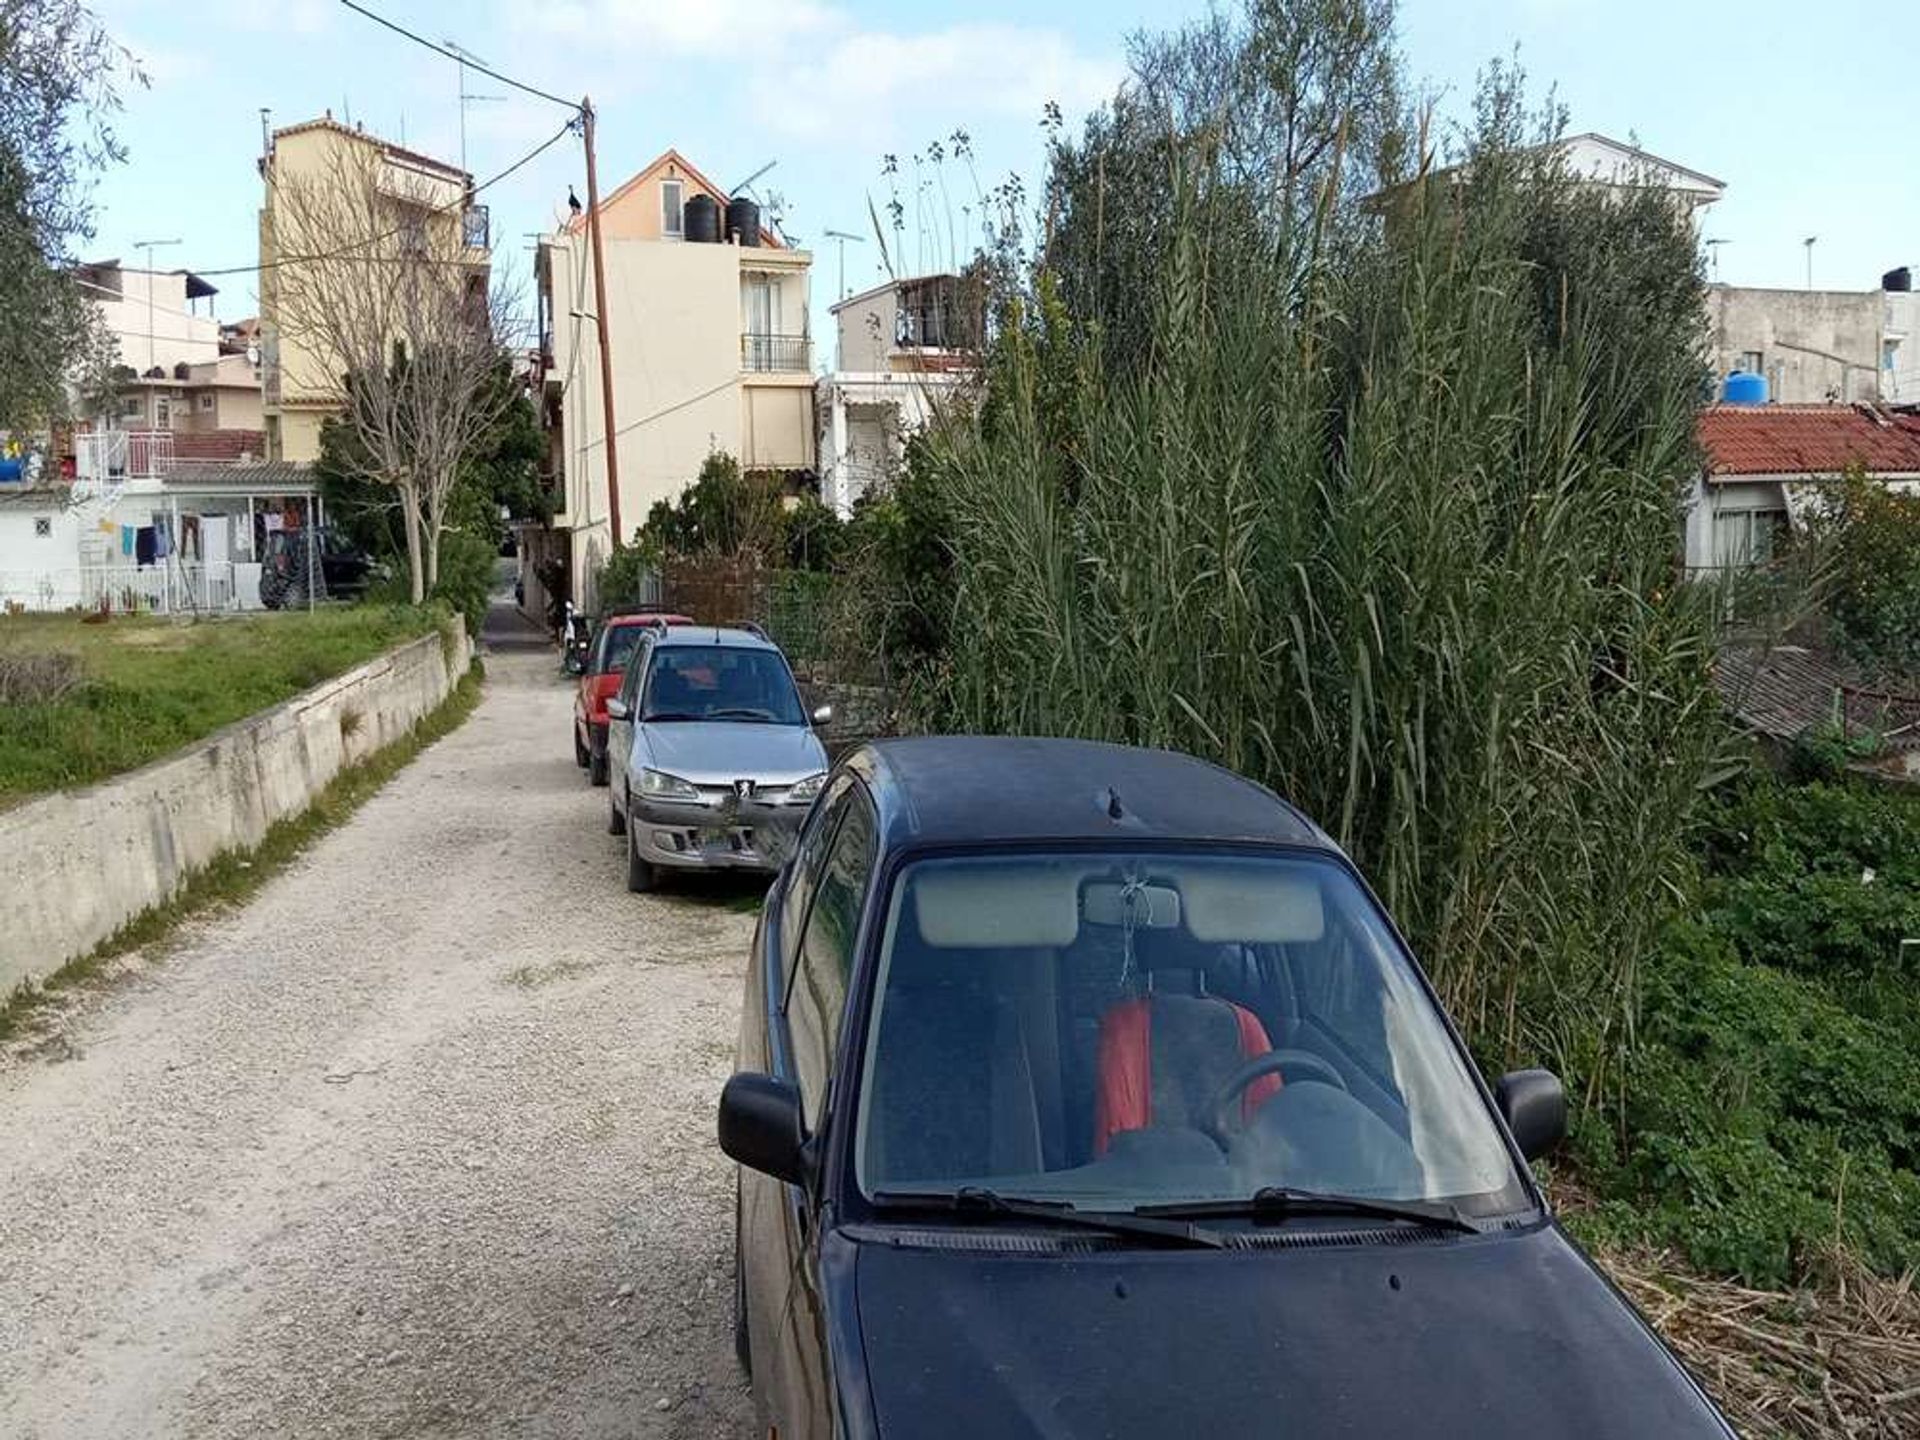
76,866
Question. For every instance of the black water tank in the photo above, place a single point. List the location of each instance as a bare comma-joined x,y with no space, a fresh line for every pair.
743,222
703,220
1901,279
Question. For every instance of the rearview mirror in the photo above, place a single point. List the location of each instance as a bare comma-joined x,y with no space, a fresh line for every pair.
1535,1109
616,708
760,1126
823,715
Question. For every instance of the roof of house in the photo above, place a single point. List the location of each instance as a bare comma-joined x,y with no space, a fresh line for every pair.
1786,690
227,447
1808,440
1643,157
327,122
265,477
692,171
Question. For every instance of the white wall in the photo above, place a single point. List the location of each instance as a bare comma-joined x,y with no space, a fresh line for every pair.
1812,342
176,333
39,571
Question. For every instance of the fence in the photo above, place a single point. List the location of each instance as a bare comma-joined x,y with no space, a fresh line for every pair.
174,587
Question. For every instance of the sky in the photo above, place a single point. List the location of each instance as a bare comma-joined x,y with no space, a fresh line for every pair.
1804,112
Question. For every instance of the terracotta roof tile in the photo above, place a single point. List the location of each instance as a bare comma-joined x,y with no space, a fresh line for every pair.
1808,440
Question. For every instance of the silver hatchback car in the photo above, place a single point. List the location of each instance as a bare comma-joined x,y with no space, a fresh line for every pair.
713,758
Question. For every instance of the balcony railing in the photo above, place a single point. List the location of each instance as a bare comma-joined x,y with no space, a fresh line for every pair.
102,455
791,354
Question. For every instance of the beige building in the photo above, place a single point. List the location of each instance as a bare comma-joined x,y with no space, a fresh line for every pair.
1820,346
155,316
419,206
218,394
708,330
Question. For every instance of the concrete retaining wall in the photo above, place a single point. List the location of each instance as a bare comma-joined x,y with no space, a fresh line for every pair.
76,866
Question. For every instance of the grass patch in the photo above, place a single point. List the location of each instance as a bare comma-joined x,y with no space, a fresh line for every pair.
234,876
146,686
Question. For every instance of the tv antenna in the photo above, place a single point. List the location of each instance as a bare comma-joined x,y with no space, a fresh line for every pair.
747,184
840,238
1713,254
466,57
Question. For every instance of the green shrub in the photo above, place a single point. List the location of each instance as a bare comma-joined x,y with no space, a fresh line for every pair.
1870,538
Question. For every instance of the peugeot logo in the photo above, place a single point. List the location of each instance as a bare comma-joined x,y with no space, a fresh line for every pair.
743,789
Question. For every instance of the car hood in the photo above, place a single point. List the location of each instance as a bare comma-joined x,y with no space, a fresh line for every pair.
1509,1334
718,752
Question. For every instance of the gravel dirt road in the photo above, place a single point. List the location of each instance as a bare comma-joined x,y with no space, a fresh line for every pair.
418,1143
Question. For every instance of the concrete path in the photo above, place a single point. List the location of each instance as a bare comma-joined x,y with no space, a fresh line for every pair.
418,1143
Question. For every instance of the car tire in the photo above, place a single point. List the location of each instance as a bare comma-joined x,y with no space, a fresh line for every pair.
742,1337
596,769
640,875
581,755
616,822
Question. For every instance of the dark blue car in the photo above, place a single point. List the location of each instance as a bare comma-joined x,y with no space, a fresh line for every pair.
1088,1091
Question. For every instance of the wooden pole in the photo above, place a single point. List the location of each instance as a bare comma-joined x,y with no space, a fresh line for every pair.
600,325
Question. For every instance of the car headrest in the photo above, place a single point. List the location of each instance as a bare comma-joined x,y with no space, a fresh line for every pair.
996,907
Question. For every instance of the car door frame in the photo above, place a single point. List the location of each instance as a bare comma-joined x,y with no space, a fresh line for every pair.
782,1223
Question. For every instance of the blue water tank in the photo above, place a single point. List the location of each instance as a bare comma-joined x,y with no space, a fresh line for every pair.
1743,387
12,471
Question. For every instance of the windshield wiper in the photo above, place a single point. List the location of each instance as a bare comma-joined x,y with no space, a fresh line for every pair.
976,1202
653,715
1278,1203
741,713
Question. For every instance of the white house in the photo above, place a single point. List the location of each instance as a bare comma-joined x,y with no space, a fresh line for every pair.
905,348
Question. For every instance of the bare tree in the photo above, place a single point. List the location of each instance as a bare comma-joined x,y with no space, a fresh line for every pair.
381,307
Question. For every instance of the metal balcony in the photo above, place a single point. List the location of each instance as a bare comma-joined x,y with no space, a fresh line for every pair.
788,354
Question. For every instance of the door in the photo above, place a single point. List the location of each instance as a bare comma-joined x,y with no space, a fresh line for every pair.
798,1390
620,732
763,313
163,412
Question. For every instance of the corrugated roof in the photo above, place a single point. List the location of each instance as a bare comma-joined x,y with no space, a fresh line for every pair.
1808,440
1787,690
266,477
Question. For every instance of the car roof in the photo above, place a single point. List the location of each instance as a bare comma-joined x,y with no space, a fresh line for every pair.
714,635
961,789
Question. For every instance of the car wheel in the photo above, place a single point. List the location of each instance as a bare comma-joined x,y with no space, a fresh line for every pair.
581,755
742,1339
596,769
616,822
639,872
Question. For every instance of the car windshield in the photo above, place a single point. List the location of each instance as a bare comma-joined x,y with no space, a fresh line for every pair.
1126,1030
721,682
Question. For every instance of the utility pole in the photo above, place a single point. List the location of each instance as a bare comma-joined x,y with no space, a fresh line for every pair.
150,246
600,325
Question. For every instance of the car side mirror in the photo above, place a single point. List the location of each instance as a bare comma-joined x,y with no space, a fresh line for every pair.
616,708
1535,1109
760,1126
823,715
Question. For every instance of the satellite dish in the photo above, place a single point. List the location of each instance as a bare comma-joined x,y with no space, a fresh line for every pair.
253,355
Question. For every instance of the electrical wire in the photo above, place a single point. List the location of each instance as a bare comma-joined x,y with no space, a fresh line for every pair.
362,243
573,105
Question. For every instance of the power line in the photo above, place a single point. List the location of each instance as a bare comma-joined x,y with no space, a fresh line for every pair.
349,248
573,105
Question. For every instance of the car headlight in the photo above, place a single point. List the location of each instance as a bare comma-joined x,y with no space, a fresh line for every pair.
662,786
803,791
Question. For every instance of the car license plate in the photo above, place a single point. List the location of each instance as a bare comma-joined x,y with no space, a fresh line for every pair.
715,839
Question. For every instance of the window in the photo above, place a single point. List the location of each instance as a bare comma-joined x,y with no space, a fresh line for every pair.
636,670
43,527
133,407
1748,537
671,210
819,991
206,404
811,855
1078,1027
1751,361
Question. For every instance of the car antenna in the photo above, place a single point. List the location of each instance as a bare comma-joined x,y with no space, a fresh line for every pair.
1114,812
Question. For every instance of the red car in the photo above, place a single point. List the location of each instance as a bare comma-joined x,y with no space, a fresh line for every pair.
606,663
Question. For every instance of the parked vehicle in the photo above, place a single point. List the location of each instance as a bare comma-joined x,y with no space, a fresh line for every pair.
1089,1091
287,565
600,675
714,760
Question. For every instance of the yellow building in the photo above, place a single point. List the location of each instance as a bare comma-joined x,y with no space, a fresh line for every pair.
708,328
341,209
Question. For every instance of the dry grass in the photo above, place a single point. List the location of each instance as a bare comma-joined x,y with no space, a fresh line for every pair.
1839,1356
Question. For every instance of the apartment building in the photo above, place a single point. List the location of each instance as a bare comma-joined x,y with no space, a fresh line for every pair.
341,206
155,316
708,332
1821,346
